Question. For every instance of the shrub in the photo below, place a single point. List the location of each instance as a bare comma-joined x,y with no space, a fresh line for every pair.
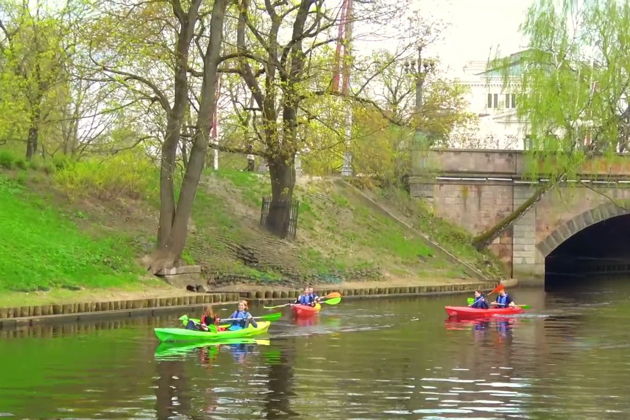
20,163
6,159
35,164
124,174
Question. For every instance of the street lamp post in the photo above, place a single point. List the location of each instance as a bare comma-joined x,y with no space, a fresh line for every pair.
419,69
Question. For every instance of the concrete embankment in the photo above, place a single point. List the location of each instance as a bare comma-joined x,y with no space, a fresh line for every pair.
11,317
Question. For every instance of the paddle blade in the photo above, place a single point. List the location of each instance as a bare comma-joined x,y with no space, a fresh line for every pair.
332,295
497,289
184,319
332,301
524,306
271,317
470,301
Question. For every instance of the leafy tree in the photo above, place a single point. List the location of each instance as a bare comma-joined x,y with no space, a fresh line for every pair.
390,129
277,59
574,89
576,76
150,49
33,70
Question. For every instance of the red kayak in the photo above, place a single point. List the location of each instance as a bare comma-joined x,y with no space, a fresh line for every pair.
303,311
470,313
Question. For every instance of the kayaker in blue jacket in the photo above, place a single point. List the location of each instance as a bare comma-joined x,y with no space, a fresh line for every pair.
314,296
243,318
480,301
305,298
503,300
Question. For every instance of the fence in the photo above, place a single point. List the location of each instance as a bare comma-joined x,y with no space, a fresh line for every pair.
293,214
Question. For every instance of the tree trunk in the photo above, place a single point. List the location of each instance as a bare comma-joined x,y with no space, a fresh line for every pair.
173,128
168,253
33,134
282,173
484,239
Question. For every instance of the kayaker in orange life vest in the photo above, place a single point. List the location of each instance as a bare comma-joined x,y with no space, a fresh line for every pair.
503,300
480,301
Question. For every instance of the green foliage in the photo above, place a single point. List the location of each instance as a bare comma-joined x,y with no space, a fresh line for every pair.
34,74
251,185
41,249
380,149
124,174
574,87
6,159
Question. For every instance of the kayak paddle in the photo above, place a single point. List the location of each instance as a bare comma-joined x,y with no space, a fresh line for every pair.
268,317
278,306
331,295
332,301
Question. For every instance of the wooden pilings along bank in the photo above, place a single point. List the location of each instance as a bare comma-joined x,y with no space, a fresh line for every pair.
31,315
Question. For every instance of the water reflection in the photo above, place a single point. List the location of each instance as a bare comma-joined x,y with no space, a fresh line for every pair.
503,327
398,358
175,350
308,321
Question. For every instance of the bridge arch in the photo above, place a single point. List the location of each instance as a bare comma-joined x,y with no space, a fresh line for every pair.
578,223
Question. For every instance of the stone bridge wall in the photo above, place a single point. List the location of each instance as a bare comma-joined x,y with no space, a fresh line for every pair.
477,189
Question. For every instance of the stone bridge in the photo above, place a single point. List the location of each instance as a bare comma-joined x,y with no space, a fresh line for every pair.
580,225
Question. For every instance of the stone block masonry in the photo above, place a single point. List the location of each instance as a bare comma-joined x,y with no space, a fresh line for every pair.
475,189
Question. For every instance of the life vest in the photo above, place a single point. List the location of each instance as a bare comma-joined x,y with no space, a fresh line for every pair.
480,303
242,316
207,320
504,301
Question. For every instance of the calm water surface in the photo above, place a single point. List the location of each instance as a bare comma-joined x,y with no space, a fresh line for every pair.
568,357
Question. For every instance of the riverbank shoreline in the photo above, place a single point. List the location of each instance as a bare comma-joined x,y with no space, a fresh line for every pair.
32,315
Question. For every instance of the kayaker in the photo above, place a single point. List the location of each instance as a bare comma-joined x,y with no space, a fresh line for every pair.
504,300
480,301
314,296
305,298
208,318
243,318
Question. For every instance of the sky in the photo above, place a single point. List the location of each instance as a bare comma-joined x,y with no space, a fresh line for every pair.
475,29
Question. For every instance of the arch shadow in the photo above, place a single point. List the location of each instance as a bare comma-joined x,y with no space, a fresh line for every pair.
577,224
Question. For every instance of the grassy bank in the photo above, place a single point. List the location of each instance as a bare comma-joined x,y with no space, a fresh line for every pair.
42,248
65,233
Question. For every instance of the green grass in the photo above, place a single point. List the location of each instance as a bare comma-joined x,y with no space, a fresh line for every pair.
40,249
456,240
252,186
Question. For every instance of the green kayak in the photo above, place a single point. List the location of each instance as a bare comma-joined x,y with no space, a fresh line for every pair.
182,334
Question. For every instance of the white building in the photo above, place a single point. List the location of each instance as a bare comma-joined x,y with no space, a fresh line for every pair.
494,105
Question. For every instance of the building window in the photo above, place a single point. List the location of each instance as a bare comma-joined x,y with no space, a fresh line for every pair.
493,100
510,100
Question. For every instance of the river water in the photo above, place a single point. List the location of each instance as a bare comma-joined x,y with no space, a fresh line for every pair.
567,357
